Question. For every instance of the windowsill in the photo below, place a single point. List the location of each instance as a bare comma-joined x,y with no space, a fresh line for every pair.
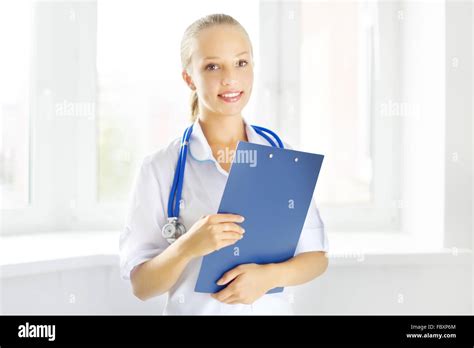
51,252
44,253
391,248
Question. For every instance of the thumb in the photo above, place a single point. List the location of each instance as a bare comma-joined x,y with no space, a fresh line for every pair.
229,276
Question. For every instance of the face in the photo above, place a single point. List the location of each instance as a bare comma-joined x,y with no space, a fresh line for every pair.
221,70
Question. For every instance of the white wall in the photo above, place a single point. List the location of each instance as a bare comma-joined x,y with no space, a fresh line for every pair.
87,290
385,284
407,289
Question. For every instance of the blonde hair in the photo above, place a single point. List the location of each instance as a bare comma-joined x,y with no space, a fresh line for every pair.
186,46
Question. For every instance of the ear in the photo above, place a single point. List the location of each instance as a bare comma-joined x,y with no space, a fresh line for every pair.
189,81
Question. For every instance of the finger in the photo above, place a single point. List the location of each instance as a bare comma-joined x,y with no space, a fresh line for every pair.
235,301
223,294
232,300
230,235
226,242
229,226
219,218
230,275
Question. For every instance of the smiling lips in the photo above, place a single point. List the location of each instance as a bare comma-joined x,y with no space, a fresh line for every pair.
231,96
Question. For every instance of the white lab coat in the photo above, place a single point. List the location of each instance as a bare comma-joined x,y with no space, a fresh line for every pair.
204,182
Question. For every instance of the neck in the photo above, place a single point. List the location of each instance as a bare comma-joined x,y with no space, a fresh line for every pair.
223,129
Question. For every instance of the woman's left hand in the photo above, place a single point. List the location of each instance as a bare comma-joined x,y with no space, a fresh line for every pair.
249,282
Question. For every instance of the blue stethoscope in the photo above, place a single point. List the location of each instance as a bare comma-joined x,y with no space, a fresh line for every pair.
174,229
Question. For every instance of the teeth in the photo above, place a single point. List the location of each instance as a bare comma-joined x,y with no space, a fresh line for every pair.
230,95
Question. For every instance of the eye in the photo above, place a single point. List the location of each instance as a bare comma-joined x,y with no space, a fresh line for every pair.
211,67
242,62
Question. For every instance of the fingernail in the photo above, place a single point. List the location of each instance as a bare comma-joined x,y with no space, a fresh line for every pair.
242,219
243,230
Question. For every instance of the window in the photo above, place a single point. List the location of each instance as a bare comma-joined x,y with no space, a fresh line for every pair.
330,96
143,101
15,27
335,97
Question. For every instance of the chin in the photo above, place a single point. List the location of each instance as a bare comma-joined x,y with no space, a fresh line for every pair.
231,113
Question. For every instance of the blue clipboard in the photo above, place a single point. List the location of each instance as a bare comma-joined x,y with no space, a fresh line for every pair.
272,188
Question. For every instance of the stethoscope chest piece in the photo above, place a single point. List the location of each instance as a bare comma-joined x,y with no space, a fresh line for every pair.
173,230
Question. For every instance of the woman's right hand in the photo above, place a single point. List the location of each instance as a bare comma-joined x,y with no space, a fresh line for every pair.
211,233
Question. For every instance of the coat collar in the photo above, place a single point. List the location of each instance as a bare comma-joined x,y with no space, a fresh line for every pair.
200,149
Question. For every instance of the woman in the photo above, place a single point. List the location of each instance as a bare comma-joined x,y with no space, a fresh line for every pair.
217,61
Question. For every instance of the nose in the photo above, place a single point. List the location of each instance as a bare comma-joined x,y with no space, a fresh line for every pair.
229,79
228,82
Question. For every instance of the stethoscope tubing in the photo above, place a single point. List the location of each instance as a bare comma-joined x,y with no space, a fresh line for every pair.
177,186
